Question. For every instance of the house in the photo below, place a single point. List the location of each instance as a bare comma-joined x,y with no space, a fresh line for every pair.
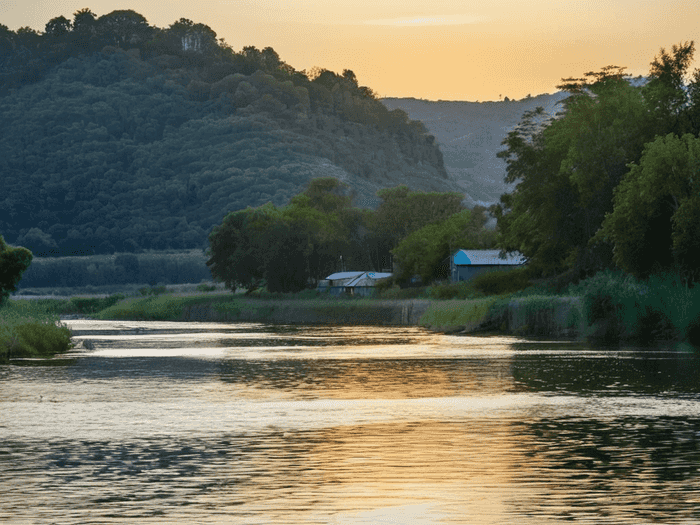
465,264
352,283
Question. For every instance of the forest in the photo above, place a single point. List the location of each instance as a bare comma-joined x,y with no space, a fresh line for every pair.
290,248
612,181
119,136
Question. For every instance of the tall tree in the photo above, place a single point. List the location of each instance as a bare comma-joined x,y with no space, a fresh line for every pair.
655,224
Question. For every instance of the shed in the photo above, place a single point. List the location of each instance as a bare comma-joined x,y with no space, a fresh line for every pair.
360,283
465,264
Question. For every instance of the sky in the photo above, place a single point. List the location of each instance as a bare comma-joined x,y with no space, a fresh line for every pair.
434,50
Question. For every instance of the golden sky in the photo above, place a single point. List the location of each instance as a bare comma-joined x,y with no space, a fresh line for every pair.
437,49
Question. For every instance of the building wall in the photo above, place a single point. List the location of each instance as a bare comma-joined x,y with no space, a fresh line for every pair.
467,272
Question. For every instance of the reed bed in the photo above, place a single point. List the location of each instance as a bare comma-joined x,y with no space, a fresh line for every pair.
31,330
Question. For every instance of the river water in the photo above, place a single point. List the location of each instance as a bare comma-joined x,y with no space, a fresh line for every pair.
252,423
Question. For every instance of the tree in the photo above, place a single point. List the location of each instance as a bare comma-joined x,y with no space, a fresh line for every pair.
58,27
123,28
666,93
565,169
13,263
234,256
424,251
655,223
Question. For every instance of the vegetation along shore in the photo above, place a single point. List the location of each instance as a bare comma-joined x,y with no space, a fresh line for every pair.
169,164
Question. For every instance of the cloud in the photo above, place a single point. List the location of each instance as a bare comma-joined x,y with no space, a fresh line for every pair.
447,20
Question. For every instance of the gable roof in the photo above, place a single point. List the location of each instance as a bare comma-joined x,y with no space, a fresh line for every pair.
343,275
367,279
487,258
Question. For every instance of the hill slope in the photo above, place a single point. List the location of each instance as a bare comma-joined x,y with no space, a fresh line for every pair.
470,134
112,151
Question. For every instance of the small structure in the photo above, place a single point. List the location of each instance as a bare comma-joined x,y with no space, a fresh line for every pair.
465,264
352,283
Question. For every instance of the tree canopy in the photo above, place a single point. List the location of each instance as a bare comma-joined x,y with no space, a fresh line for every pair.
121,136
586,163
319,233
13,263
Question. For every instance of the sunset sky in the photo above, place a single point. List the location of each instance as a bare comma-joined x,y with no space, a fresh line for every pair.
441,49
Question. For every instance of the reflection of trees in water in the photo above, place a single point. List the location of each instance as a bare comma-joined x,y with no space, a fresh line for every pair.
372,378
610,372
627,468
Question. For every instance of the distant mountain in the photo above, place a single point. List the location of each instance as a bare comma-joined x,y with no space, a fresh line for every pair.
469,135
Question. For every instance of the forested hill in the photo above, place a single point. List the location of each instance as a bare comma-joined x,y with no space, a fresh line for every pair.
470,134
117,135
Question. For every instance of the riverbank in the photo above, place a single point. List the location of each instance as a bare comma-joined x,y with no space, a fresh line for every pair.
30,331
604,309
546,316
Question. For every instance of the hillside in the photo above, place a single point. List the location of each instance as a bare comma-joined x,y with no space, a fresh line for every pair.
146,142
470,134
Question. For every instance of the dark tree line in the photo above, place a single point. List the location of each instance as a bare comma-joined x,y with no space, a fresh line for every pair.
612,180
319,233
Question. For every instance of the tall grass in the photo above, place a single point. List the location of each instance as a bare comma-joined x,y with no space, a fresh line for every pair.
160,307
31,330
456,314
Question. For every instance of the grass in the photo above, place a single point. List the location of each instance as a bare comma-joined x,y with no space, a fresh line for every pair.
30,330
456,314
160,307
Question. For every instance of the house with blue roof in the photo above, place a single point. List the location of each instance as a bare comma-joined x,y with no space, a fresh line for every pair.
466,264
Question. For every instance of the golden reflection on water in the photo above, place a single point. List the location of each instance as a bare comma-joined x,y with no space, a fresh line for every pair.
247,423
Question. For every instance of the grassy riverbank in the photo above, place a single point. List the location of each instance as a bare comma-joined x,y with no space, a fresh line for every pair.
205,307
608,308
31,330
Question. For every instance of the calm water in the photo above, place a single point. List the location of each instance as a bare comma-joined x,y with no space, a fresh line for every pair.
251,423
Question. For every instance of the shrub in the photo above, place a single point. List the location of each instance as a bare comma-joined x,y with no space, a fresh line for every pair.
28,330
501,281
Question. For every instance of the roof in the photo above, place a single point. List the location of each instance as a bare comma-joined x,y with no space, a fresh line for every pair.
367,278
343,275
487,257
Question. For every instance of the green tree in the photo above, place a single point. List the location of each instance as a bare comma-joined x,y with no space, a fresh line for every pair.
655,223
403,211
13,263
666,94
565,169
426,251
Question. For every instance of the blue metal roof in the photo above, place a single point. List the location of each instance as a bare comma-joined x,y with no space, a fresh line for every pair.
487,258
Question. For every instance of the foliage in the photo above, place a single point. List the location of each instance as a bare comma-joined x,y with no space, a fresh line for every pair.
28,330
119,136
116,270
655,224
619,307
501,281
426,251
318,233
452,315
14,261
567,167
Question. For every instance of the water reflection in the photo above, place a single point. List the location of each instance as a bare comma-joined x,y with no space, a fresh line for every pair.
216,423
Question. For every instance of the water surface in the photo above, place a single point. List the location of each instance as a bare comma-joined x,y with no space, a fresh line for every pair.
252,423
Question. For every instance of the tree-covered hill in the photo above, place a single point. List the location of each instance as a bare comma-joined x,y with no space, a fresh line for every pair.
470,135
118,135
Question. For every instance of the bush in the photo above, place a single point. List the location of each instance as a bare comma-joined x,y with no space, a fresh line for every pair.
501,281
28,330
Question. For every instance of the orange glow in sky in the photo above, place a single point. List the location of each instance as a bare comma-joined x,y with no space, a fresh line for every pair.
442,49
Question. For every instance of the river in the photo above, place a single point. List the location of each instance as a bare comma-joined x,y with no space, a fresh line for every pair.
161,422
